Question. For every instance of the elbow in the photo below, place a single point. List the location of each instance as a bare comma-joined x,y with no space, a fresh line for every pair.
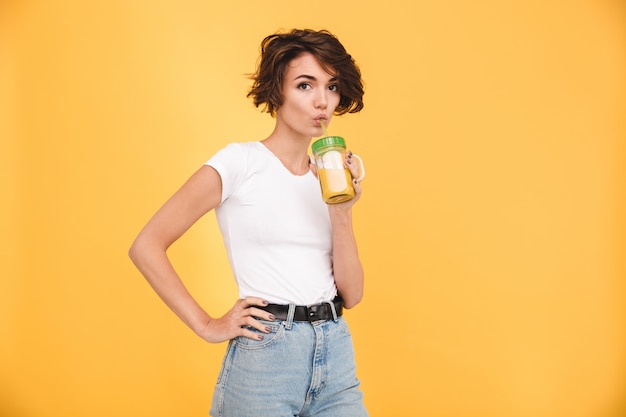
135,251
144,251
132,251
351,300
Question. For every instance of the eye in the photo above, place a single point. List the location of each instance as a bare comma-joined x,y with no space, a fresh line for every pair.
304,86
333,87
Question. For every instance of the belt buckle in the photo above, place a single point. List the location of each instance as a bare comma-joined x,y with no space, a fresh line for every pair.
313,312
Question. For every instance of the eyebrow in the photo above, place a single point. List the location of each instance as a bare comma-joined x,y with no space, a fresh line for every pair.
312,78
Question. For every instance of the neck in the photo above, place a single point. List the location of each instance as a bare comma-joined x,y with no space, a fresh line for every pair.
292,152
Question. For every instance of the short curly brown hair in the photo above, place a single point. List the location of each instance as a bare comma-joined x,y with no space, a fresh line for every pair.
279,49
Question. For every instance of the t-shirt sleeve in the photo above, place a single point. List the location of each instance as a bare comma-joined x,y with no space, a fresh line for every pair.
230,163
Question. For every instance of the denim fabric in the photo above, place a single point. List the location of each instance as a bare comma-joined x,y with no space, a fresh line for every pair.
299,369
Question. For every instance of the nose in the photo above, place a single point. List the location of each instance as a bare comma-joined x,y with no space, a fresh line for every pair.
321,100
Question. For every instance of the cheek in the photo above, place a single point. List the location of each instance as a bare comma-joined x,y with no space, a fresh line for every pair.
293,104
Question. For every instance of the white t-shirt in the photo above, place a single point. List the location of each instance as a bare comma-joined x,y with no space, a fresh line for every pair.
275,226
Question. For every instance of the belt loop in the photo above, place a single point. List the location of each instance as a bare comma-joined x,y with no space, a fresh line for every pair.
334,310
290,314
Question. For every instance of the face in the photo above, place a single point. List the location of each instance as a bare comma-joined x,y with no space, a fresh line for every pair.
310,94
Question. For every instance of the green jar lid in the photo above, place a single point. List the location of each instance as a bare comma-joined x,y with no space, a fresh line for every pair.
327,141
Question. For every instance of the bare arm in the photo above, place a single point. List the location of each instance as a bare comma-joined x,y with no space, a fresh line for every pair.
200,194
347,267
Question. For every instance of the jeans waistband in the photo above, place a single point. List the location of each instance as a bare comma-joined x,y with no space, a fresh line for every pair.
329,310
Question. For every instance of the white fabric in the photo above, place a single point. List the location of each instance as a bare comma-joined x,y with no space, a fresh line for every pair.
275,226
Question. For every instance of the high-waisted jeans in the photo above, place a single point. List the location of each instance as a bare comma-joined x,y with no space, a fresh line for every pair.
299,369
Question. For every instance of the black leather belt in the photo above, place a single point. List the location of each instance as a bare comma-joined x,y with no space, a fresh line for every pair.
312,313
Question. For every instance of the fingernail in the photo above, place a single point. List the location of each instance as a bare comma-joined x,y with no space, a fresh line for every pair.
272,317
265,303
260,337
267,330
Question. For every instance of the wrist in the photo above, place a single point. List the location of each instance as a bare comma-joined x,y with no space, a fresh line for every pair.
203,330
340,215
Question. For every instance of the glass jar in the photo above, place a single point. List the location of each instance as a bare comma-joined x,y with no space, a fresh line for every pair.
334,177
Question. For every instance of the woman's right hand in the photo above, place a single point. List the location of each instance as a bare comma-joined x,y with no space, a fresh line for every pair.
236,321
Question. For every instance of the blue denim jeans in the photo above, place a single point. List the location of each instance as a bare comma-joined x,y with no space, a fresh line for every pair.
299,369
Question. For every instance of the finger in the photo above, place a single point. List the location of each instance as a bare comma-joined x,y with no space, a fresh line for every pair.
251,335
313,168
252,301
353,167
262,314
251,322
357,191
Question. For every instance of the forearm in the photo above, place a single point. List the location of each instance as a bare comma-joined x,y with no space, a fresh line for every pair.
347,267
153,263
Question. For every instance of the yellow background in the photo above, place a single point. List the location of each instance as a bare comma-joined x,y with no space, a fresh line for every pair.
491,229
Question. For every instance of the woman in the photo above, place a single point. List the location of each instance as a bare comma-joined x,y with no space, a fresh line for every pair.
294,258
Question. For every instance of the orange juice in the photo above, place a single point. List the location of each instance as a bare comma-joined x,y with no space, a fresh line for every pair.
336,185
335,178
